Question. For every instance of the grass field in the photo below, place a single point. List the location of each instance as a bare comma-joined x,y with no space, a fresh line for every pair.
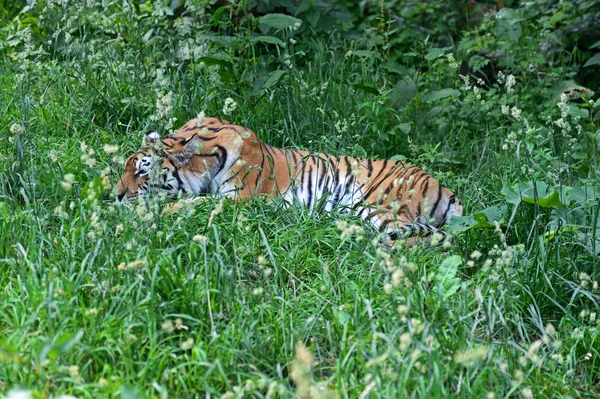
261,300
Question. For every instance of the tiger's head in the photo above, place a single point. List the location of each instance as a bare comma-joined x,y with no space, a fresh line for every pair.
187,161
148,170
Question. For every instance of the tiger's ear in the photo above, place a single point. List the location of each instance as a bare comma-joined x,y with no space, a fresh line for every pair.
151,136
182,149
188,144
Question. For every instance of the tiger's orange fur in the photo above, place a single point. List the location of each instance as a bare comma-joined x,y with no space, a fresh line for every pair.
217,158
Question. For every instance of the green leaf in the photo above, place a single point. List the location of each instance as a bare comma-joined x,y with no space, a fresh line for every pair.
279,21
574,110
446,276
273,78
366,89
511,195
405,127
580,195
268,39
479,220
595,60
403,92
487,217
436,53
508,25
439,94
456,224
429,115
398,157
544,195
396,68
303,7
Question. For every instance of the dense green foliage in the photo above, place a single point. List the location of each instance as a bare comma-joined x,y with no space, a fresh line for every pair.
261,300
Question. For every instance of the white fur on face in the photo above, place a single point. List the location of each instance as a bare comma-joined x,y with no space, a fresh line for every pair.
143,166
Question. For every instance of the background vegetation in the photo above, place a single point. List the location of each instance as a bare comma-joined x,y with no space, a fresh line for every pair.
496,100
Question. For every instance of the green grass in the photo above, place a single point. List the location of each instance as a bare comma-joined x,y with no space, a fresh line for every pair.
262,300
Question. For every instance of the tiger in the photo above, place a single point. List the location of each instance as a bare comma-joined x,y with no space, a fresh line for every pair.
214,157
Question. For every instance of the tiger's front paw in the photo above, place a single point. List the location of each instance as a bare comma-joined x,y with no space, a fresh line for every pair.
182,204
172,208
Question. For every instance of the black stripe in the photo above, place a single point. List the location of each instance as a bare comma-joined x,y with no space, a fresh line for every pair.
295,156
425,188
323,174
267,148
437,202
419,176
375,186
406,208
451,202
179,181
310,191
222,160
262,165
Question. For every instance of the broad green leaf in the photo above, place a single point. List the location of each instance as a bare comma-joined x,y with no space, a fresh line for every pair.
398,157
580,195
217,59
574,110
279,21
479,220
595,60
511,195
396,68
446,276
405,127
366,89
439,94
273,78
487,217
268,39
436,52
403,92
303,7
433,54
508,25
456,224
429,115
547,197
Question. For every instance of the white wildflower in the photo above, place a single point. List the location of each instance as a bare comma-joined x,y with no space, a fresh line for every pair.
111,149
229,106
17,129
510,83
